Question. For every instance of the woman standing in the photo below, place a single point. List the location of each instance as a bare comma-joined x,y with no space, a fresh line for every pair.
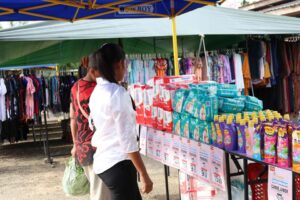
81,133
117,156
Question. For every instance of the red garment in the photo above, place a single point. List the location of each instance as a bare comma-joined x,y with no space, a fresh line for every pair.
84,149
37,86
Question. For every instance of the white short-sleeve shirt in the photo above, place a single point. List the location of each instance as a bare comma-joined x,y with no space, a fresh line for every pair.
114,119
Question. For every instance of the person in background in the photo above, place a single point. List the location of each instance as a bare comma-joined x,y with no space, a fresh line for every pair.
81,133
117,158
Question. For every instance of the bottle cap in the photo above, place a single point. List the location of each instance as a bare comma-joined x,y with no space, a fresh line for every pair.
251,124
243,122
286,117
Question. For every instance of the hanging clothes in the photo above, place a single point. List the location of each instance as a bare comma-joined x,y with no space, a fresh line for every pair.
239,80
246,74
30,90
2,100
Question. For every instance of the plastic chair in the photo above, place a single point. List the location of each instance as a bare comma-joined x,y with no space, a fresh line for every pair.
256,172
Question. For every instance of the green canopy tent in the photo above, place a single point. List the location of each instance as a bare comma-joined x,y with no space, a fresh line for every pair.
66,42
70,51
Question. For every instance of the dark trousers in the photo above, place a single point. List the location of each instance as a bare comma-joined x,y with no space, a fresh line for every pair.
121,180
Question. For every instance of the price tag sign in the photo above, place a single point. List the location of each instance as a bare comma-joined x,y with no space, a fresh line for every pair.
157,145
143,140
193,158
184,154
217,168
175,162
204,162
280,184
166,149
150,143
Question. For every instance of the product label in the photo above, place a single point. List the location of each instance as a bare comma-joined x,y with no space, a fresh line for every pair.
166,150
192,158
280,184
218,168
227,137
240,138
204,160
269,130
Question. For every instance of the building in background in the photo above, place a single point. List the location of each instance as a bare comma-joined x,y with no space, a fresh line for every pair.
275,7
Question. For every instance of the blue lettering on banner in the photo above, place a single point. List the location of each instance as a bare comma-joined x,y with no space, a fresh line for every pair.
130,11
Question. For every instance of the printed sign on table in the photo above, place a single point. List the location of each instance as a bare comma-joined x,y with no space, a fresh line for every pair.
183,156
157,145
280,184
143,140
204,162
175,147
166,148
150,143
193,150
217,168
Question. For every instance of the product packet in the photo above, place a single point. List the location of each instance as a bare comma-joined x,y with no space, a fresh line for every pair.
168,121
184,125
179,99
241,132
190,103
283,153
230,135
258,139
207,106
194,129
249,132
176,123
270,142
296,150
148,103
227,90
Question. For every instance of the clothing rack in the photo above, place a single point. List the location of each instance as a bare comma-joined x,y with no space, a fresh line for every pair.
48,158
227,51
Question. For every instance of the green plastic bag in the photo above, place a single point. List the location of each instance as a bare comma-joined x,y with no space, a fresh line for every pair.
74,181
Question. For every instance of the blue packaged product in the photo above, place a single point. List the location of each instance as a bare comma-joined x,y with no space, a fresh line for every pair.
253,104
184,125
227,90
179,99
233,105
190,103
194,129
207,107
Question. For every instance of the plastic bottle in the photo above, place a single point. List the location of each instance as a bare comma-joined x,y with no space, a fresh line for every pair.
230,135
241,136
249,138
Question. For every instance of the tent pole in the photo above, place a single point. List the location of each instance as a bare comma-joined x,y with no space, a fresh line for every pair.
205,52
175,46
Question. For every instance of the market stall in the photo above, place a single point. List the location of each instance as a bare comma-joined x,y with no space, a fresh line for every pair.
166,122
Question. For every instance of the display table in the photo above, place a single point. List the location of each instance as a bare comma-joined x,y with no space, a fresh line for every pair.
206,162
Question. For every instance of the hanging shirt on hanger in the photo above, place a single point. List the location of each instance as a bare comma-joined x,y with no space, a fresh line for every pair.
246,74
2,100
239,80
30,90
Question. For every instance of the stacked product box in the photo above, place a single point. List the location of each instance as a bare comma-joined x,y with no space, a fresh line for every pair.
154,100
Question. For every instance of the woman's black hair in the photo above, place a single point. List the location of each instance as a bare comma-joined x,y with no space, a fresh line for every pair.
82,71
105,59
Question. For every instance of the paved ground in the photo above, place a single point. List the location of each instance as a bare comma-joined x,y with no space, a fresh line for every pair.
25,176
